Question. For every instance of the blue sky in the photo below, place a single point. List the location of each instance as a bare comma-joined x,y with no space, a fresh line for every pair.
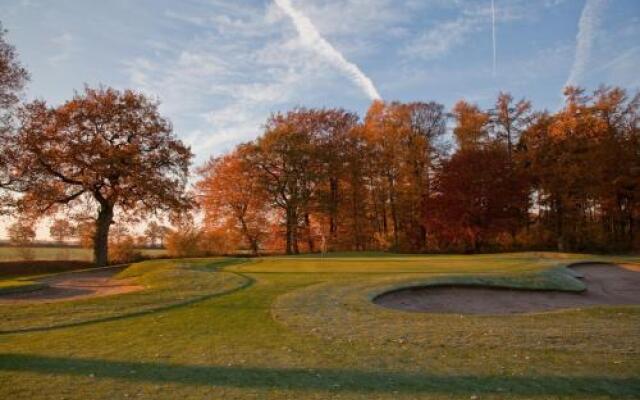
219,67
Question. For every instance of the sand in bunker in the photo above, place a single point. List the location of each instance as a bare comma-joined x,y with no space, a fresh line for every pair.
607,284
73,286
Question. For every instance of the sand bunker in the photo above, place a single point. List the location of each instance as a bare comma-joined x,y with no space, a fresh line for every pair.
73,286
607,284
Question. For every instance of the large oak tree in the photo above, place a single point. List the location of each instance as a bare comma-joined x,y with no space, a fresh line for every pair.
107,149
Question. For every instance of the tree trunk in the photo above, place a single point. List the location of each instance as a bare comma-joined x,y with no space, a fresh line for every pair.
394,214
101,238
254,246
289,232
333,207
253,242
294,233
307,225
356,221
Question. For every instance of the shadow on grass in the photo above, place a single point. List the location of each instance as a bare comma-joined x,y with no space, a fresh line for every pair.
336,380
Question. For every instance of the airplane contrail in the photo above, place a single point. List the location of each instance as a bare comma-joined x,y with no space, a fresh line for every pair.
493,34
587,27
312,38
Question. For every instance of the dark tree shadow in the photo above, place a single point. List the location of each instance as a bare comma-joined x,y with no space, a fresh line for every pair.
347,380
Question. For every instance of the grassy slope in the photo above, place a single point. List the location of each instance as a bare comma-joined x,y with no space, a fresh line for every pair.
167,283
304,329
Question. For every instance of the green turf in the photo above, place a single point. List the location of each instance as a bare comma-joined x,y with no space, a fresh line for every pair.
167,283
304,328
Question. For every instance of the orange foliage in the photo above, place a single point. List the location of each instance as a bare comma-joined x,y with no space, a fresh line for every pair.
104,148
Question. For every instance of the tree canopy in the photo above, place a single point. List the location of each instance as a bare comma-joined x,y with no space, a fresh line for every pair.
107,149
514,178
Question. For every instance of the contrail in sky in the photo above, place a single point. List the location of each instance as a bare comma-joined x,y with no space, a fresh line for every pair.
312,38
587,27
493,34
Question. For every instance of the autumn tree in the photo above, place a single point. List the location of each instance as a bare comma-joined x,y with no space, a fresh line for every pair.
61,229
405,142
332,128
107,148
509,119
155,233
86,232
183,242
513,178
618,154
424,149
13,77
356,203
472,125
22,234
386,132
229,192
585,165
284,158
479,196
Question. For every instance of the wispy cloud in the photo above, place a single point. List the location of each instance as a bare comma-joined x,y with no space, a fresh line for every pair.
493,34
441,38
314,40
63,47
587,31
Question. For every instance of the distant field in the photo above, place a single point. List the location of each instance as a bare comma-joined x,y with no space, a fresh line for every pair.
8,253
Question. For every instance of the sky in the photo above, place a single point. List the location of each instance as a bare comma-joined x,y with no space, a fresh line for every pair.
221,67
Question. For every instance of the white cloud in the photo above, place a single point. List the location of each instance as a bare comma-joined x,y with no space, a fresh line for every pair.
313,39
220,85
587,31
440,39
63,48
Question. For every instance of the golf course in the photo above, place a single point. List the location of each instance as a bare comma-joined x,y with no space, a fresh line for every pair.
306,327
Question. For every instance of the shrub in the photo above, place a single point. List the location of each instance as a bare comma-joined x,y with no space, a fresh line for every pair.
184,242
123,250
191,241
22,234
219,241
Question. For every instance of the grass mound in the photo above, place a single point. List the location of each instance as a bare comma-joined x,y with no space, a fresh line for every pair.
168,283
559,278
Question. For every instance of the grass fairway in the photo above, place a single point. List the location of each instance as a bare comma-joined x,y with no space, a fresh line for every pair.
305,328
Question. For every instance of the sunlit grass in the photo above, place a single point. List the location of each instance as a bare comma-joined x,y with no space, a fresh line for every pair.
167,283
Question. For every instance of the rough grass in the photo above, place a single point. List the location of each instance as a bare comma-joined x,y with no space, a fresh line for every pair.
305,328
168,283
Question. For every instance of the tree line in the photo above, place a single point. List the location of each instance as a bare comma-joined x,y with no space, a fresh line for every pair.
414,177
